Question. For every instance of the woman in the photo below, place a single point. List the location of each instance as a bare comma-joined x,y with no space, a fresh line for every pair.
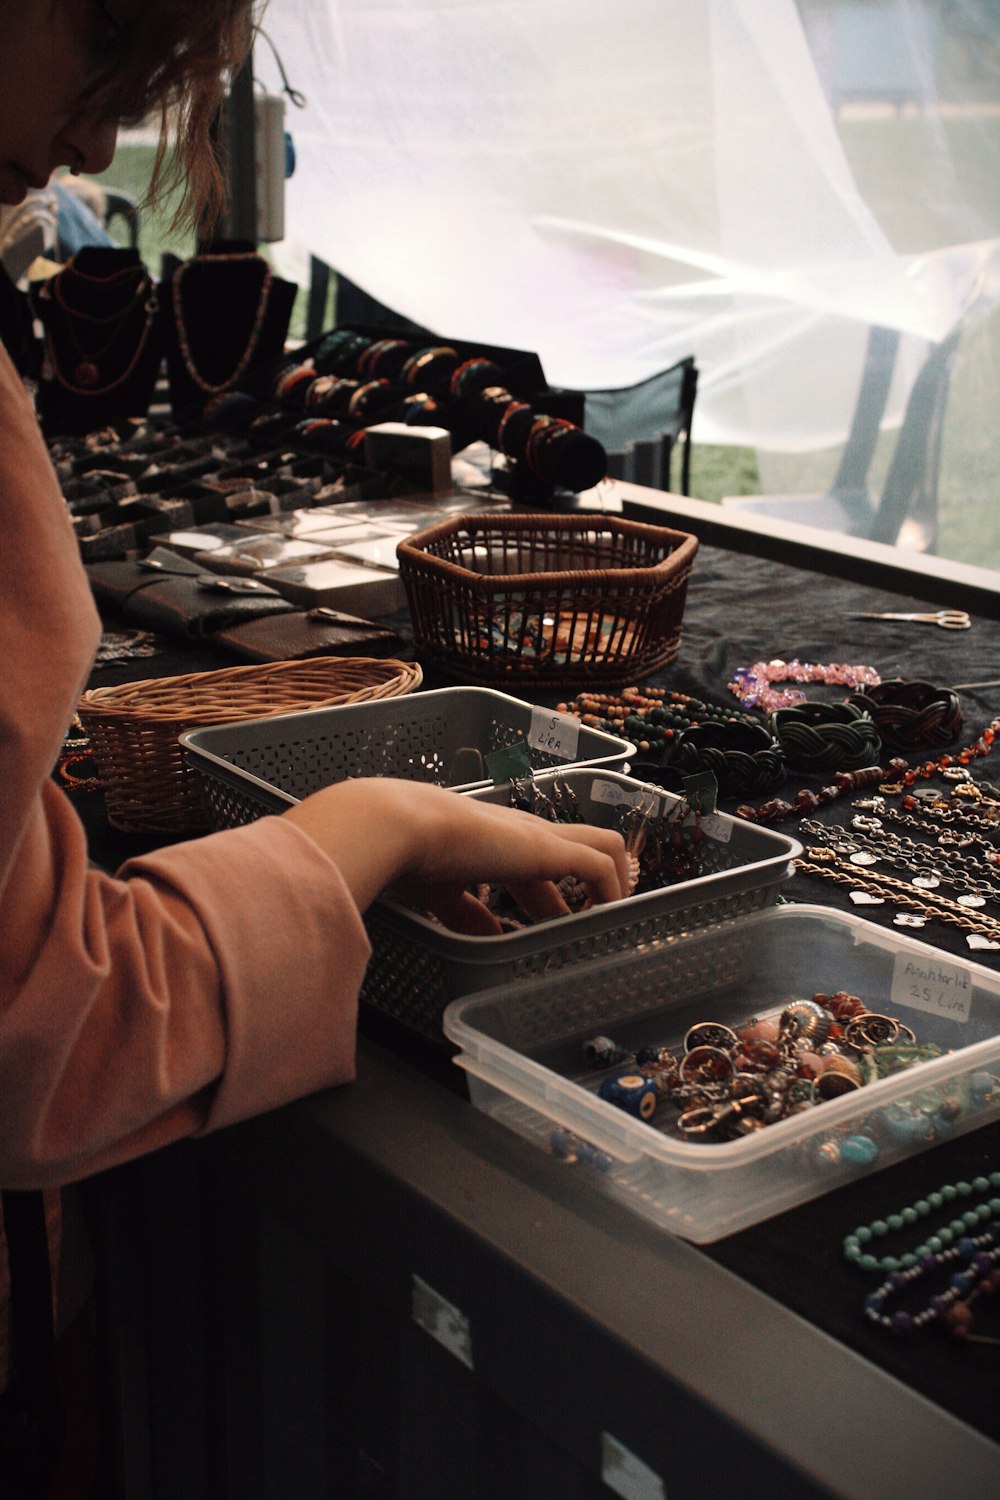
217,978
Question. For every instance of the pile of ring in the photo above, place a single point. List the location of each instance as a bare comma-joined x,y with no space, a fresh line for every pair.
723,1083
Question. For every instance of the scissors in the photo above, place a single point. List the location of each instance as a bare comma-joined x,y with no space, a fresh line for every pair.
948,619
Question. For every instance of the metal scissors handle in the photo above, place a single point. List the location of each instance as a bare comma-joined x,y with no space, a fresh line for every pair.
947,619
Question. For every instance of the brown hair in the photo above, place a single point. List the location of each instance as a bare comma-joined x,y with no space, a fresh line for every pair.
174,61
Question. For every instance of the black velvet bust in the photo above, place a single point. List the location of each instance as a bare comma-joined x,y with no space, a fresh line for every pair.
102,345
223,313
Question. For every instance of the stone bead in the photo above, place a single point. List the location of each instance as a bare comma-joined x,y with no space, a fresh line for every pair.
860,1150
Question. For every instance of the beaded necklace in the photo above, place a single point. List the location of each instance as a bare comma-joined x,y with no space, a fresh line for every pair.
654,714
857,1242
971,1238
896,778
87,372
752,684
183,340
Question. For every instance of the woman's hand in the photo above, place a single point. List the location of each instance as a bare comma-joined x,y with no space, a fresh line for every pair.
430,845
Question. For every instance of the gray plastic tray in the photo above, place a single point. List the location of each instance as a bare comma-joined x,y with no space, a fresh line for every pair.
418,967
260,766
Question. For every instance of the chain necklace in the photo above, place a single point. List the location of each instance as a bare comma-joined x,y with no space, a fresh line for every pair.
826,865
923,863
183,339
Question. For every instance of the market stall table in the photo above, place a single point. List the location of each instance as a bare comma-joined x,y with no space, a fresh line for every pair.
384,1289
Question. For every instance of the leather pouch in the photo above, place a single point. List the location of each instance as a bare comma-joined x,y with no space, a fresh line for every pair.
303,633
172,595
188,607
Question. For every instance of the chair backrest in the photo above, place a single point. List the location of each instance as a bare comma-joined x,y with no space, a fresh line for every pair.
873,396
640,425
910,494
123,205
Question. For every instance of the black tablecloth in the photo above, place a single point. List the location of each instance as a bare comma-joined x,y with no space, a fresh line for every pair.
740,610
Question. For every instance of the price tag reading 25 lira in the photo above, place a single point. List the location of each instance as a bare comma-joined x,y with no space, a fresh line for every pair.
554,734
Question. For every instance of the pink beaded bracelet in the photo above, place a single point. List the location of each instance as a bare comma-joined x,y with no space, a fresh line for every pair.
751,685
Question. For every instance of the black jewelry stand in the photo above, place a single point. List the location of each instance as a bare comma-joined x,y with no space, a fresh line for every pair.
219,304
132,349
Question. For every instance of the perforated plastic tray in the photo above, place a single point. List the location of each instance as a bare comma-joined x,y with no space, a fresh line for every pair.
262,766
522,1048
418,967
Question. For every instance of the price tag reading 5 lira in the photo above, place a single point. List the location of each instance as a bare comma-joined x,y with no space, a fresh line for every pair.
554,734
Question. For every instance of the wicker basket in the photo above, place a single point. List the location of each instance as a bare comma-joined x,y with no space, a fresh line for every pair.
134,728
554,601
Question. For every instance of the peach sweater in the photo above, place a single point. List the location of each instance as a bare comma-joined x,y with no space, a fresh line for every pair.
203,983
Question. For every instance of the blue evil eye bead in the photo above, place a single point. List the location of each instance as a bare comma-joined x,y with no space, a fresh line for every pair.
633,1092
602,1052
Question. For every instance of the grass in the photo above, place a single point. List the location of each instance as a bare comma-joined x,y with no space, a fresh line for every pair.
887,155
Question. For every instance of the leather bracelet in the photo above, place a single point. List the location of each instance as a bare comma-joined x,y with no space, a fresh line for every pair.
912,715
826,736
744,758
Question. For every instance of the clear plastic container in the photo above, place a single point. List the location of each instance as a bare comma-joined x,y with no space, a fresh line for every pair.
522,1047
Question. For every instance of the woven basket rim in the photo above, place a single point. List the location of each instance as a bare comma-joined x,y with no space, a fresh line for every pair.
413,556
193,696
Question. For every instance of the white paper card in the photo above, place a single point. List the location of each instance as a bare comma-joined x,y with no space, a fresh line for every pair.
933,984
554,734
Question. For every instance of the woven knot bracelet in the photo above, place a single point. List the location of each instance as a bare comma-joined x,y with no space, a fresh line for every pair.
820,736
744,758
912,715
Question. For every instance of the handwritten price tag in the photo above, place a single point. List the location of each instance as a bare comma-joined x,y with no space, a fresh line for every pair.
554,734
613,794
932,985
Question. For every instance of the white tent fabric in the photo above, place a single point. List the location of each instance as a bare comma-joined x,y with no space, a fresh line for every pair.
620,184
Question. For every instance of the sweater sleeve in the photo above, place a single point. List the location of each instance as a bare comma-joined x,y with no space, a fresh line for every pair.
202,983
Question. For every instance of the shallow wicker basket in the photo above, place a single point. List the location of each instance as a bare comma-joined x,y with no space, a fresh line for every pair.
134,728
554,601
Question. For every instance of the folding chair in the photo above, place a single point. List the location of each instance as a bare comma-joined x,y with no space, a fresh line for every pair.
641,425
909,496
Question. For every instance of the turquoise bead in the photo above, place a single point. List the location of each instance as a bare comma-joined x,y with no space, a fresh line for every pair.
868,1263
863,1235
935,1199
861,1151
909,1216
895,1222
879,1226
981,1184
